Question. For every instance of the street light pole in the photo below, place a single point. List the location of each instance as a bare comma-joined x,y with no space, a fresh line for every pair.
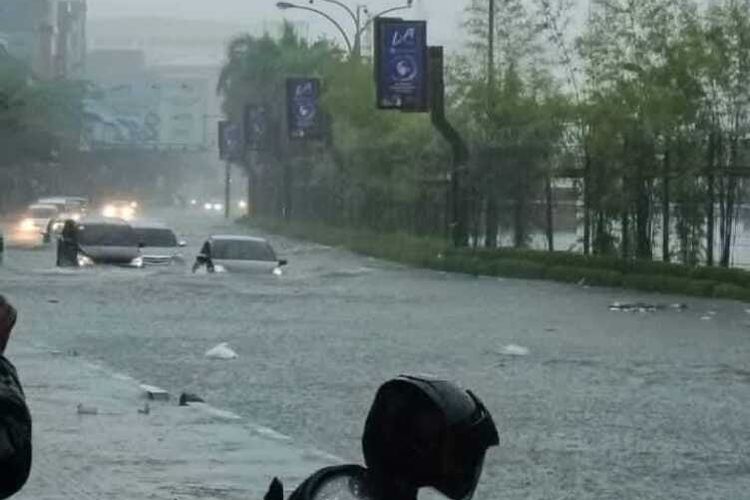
355,48
287,5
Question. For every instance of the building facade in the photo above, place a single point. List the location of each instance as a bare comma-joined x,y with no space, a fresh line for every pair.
48,35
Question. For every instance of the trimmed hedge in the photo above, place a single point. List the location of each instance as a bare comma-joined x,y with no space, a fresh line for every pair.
565,267
729,291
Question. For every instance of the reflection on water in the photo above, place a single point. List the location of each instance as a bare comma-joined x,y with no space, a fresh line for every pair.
568,234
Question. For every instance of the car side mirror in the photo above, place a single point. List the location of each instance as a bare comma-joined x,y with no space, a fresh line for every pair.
182,243
283,262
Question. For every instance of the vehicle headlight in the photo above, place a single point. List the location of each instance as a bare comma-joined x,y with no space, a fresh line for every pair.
137,262
242,204
193,202
109,211
57,226
84,260
76,217
218,206
127,213
27,225
208,206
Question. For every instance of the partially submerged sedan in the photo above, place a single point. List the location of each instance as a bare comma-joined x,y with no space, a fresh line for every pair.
98,241
159,244
238,253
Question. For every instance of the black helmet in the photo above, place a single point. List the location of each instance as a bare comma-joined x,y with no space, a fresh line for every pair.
428,433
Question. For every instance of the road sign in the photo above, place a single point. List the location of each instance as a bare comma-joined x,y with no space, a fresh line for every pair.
401,64
304,115
256,127
230,141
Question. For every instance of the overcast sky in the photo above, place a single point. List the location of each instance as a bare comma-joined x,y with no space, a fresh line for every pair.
444,16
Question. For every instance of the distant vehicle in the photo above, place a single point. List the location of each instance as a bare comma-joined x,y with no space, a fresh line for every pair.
74,206
69,207
238,253
159,244
120,209
213,206
98,241
34,226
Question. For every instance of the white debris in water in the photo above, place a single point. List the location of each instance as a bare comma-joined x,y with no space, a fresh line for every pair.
221,351
706,318
515,350
277,271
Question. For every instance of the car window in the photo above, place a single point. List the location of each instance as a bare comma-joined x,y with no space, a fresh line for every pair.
156,237
107,235
242,250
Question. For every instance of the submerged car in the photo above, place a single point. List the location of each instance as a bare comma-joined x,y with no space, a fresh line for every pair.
159,244
238,253
98,241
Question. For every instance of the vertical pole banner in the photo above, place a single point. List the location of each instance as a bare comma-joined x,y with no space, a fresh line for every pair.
304,117
230,141
401,64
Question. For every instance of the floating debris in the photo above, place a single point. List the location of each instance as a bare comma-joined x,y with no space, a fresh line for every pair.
640,307
155,393
515,350
187,397
87,410
221,351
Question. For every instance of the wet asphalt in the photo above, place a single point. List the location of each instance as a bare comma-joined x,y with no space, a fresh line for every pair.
591,403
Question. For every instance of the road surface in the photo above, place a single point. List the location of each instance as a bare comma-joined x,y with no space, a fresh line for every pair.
591,404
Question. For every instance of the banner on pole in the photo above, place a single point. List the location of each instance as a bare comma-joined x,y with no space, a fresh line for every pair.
230,141
401,64
304,116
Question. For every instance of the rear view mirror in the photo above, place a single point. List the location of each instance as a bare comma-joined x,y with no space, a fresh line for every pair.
182,243
283,262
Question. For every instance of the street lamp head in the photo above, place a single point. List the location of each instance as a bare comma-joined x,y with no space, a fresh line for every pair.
285,5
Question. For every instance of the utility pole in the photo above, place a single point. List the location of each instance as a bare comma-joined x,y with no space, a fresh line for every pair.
492,215
227,189
459,223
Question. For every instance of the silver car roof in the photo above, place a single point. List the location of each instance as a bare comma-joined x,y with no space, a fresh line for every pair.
229,237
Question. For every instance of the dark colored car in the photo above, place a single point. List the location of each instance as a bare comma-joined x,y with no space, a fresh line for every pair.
95,241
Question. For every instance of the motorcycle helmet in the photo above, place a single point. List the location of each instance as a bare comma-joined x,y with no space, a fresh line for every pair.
428,433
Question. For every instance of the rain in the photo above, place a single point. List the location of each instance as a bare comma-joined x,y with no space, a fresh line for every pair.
225,224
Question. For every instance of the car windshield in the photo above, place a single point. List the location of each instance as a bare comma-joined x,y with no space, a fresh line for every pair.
242,250
42,212
106,235
156,237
